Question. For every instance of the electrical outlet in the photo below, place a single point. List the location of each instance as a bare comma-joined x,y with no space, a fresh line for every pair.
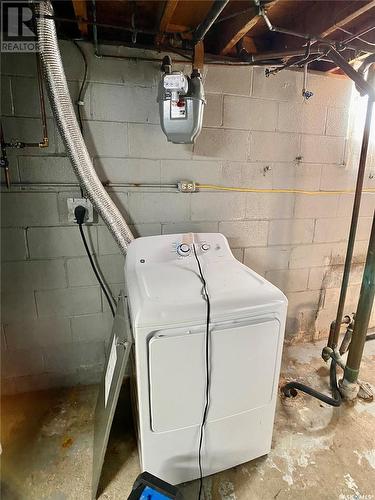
186,186
75,202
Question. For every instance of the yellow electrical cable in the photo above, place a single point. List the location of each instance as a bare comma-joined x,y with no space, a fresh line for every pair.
215,187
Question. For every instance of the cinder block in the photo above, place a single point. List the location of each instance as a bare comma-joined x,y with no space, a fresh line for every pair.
106,138
263,259
339,251
274,146
107,244
16,306
228,80
332,295
338,177
213,111
289,280
92,327
27,103
72,59
330,90
13,244
307,117
222,143
18,63
12,167
246,174
238,253
317,206
157,207
46,169
19,362
204,172
291,232
245,233
322,149
80,272
29,130
29,209
128,170
7,104
50,242
331,277
71,357
117,103
190,227
247,113
332,229
298,302
40,332
296,176
269,205
148,141
337,122
317,255
345,206
68,302
284,86
33,275
217,206
121,71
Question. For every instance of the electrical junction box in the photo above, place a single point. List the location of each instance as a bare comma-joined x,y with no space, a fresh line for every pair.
167,314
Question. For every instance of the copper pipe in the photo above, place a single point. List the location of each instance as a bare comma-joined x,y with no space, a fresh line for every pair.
44,141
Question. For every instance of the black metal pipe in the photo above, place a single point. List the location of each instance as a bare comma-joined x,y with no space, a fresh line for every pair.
354,222
290,389
362,85
365,303
201,31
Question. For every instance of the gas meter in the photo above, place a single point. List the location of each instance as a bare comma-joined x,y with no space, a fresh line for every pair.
181,102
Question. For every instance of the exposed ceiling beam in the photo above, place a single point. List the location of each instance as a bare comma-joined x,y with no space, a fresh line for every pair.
170,7
348,19
80,11
235,28
315,23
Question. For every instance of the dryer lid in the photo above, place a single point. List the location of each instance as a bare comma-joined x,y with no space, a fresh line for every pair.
165,288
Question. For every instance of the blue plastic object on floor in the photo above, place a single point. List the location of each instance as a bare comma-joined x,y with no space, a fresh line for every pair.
149,487
150,493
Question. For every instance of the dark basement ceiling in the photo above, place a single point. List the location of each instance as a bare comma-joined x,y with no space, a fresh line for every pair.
169,24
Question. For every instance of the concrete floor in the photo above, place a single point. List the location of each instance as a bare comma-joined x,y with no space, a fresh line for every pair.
318,451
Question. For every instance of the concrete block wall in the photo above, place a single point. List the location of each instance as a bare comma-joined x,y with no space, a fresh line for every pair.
257,133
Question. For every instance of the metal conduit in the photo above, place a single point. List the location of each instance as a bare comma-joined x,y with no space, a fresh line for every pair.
67,124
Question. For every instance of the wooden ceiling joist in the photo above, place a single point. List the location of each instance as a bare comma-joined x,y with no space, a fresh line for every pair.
80,11
234,29
170,7
340,23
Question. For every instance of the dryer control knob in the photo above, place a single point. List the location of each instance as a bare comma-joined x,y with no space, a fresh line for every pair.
183,250
205,247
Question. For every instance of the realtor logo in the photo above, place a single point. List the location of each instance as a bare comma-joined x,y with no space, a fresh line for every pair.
17,27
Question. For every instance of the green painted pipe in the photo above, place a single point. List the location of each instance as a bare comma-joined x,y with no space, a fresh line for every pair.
362,318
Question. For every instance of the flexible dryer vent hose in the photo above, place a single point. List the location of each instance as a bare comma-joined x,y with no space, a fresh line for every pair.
66,120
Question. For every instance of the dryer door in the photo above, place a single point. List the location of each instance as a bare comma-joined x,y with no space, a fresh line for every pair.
242,372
